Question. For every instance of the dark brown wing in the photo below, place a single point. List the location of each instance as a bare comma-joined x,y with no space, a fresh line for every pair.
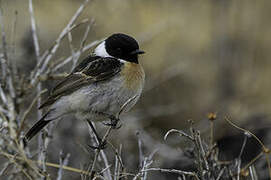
90,70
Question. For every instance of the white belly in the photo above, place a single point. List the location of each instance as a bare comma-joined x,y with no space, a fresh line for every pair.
94,101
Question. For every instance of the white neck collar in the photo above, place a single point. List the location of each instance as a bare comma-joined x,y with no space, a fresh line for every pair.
101,51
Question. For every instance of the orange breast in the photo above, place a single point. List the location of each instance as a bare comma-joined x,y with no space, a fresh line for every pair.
134,75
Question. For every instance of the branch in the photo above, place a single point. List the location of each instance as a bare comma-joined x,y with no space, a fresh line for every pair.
4,58
76,54
173,171
42,66
34,32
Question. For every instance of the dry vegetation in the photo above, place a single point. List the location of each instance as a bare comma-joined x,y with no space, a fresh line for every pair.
230,77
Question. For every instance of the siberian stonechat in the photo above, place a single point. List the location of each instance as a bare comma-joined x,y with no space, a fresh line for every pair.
99,86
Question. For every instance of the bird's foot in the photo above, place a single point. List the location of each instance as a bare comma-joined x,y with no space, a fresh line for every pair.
101,145
114,122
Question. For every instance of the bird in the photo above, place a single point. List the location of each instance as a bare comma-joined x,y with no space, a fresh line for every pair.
109,79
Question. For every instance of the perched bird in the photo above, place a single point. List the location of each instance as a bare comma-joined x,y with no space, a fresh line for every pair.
99,86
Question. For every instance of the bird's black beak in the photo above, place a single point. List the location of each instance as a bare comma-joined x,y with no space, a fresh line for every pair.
138,51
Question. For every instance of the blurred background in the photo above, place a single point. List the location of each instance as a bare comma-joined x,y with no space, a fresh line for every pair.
201,57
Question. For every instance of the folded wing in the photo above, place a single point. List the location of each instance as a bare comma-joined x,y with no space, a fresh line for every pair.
90,70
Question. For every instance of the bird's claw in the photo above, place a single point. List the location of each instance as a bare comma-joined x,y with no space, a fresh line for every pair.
114,126
114,122
101,145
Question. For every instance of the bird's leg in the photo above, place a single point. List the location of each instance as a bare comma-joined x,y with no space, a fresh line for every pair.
114,122
101,143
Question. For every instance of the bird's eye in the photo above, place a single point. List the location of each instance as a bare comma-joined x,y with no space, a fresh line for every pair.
119,50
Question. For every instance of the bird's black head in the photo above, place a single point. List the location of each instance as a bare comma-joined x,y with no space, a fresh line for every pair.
123,47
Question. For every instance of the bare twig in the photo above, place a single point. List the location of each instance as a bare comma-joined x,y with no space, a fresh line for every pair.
252,161
140,150
71,45
202,152
3,95
6,166
79,171
118,163
4,59
63,161
44,63
7,76
77,53
106,171
34,31
144,162
27,111
211,116
42,155
62,34
13,44
11,118
240,155
253,173
45,54
181,133
125,105
75,59
264,148
3,110
97,153
174,171
221,173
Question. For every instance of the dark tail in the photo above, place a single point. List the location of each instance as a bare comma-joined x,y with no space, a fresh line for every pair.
36,128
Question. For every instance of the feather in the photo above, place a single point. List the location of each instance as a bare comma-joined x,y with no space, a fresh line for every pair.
86,73
37,127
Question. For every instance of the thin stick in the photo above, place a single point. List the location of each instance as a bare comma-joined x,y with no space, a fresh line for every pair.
77,53
3,110
140,151
91,22
239,157
118,163
253,173
244,130
45,54
3,95
211,133
220,173
63,162
97,152
106,171
63,33
71,45
4,59
80,171
42,149
264,148
55,47
13,44
174,171
28,111
181,133
252,161
268,163
34,32
7,76
203,153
